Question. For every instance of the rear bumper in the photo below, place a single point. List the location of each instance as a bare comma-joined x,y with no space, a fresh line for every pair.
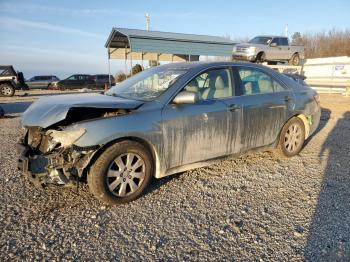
315,121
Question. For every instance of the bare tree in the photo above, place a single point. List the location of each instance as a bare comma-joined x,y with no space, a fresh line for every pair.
324,44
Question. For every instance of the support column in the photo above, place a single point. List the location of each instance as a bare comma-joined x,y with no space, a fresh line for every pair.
109,68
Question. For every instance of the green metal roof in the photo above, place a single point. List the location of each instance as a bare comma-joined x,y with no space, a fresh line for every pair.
169,43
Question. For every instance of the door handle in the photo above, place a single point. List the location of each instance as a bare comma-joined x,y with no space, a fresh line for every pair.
234,107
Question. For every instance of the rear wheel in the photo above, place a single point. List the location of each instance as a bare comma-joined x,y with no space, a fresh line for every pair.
295,60
7,90
121,173
292,138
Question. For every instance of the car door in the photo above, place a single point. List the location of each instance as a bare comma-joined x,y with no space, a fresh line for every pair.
39,82
200,131
272,52
79,82
32,82
285,48
43,82
266,105
69,82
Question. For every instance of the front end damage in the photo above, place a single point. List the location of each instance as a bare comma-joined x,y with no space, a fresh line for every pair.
50,157
47,153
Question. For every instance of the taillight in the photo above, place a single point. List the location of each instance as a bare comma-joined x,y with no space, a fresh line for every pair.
317,98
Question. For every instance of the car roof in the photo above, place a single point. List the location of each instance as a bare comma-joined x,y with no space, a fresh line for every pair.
270,36
204,64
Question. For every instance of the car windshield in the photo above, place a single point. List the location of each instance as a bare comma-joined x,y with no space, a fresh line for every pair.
264,40
147,85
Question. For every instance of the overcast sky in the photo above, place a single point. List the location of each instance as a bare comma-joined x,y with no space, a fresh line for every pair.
66,37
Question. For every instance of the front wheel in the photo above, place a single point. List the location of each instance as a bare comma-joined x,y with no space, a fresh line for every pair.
121,173
261,58
292,138
7,90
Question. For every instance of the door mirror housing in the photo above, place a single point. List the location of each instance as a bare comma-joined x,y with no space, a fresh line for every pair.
273,44
186,97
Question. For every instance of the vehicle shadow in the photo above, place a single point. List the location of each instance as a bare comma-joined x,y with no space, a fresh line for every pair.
329,232
16,107
156,184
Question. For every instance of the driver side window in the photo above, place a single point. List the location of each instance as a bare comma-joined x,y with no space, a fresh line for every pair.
73,77
212,84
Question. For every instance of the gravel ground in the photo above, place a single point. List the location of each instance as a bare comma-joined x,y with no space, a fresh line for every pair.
254,208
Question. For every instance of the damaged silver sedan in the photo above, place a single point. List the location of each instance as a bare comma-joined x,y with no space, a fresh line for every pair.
162,121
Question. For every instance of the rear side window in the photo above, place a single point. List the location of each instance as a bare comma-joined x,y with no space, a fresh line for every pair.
73,77
102,77
283,42
254,81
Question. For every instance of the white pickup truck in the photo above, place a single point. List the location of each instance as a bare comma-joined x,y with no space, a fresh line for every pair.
269,49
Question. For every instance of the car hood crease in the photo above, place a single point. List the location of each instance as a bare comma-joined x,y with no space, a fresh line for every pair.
53,109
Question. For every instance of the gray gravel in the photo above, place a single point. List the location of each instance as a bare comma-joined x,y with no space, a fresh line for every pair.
254,208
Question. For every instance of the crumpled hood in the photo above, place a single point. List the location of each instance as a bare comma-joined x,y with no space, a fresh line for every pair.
52,109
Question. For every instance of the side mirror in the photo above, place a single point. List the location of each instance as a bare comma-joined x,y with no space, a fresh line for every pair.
186,97
273,44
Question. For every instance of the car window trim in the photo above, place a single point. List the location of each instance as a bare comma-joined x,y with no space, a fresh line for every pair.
281,83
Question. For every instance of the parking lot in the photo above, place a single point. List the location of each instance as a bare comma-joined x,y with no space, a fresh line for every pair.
255,207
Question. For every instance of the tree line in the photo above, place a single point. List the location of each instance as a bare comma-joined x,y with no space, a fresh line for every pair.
324,44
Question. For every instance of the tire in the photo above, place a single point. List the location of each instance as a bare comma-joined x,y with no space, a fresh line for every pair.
7,90
295,60
110,183
261,57
288,145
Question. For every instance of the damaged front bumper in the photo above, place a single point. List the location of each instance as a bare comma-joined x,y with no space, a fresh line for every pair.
60,166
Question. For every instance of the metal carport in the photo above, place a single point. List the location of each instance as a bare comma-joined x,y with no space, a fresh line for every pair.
135,44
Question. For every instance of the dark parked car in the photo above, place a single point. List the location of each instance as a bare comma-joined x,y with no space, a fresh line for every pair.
102,79
162,121
76,81
41,81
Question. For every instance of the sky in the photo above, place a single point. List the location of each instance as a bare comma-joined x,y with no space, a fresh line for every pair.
66,37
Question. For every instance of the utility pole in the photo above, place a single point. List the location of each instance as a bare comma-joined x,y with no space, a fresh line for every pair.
286,30
148,21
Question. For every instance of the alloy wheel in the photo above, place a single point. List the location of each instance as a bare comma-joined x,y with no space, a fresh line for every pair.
126,174
293,138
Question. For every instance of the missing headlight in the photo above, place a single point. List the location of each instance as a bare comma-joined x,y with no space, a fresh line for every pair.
64,138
